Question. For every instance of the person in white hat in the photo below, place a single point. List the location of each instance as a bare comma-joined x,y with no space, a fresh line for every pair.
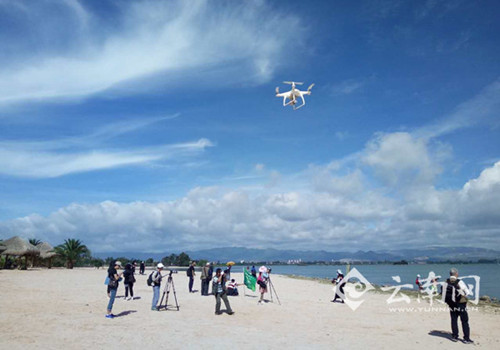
156,278
339,284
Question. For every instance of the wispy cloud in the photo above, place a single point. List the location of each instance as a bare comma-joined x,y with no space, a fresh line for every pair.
471,112
152,38
348,87
33,163
83,153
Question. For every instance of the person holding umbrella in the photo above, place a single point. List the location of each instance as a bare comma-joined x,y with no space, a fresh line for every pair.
227,272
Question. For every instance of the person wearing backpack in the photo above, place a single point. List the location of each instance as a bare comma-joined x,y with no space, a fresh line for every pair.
455,295
155,278
220,292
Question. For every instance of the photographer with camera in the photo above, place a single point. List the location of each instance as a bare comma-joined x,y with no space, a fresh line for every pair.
156,283
220,292
262,282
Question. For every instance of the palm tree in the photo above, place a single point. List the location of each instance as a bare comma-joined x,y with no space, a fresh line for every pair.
71,250
34,241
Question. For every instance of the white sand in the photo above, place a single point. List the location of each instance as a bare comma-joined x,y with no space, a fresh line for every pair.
61,309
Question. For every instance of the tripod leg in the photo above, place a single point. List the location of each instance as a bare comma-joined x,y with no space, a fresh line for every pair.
272,288
167,290
175,296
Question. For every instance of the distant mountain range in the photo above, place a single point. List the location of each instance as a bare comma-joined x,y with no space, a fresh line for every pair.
250,254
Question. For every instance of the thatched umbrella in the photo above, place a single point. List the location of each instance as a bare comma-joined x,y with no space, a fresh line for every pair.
46,252
17,246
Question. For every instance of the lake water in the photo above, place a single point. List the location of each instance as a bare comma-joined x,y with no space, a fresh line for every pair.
489,274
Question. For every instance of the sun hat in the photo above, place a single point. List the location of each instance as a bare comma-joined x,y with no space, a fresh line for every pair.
160,266
338,271
262,269
207,264
118,263
418,275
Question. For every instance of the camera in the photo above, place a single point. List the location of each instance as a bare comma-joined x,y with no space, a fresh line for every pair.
269,270
172,271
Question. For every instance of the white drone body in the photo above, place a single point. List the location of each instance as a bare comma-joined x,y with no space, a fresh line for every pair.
293,94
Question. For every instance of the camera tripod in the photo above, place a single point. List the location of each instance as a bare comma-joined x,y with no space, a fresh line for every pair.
166,292
271,289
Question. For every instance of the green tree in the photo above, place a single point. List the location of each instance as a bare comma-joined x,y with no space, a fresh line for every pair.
34,241
170,260
184,259
72,250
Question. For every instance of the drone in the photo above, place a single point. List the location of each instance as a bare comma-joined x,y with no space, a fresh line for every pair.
293,94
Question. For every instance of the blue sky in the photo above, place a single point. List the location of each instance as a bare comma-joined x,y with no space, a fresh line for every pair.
153,125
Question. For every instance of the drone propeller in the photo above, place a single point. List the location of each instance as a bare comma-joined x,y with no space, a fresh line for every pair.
292,82
310,87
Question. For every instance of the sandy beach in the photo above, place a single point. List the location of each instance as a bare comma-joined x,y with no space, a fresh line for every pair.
61,309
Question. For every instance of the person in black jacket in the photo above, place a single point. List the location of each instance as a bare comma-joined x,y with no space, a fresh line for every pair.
128,280
191,274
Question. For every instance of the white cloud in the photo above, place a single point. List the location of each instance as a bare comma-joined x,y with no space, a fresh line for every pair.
400,158
479,109
348,87
76,154
309,220
150,39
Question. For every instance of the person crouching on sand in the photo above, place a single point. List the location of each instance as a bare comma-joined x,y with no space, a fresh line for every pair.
114,277
219,290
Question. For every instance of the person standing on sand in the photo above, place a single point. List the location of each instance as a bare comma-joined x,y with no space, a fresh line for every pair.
262,282
254,271
190,272
458,308
204,279
114,277
219,290
210,276
156,278
418,283
339,287
142,268
128,281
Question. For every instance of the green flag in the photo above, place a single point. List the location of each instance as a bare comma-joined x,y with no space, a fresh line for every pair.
249,280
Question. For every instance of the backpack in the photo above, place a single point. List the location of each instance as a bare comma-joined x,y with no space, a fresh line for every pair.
452,296
150,279
188,272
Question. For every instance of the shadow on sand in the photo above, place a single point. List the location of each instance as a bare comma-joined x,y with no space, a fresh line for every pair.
125,313
441,334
